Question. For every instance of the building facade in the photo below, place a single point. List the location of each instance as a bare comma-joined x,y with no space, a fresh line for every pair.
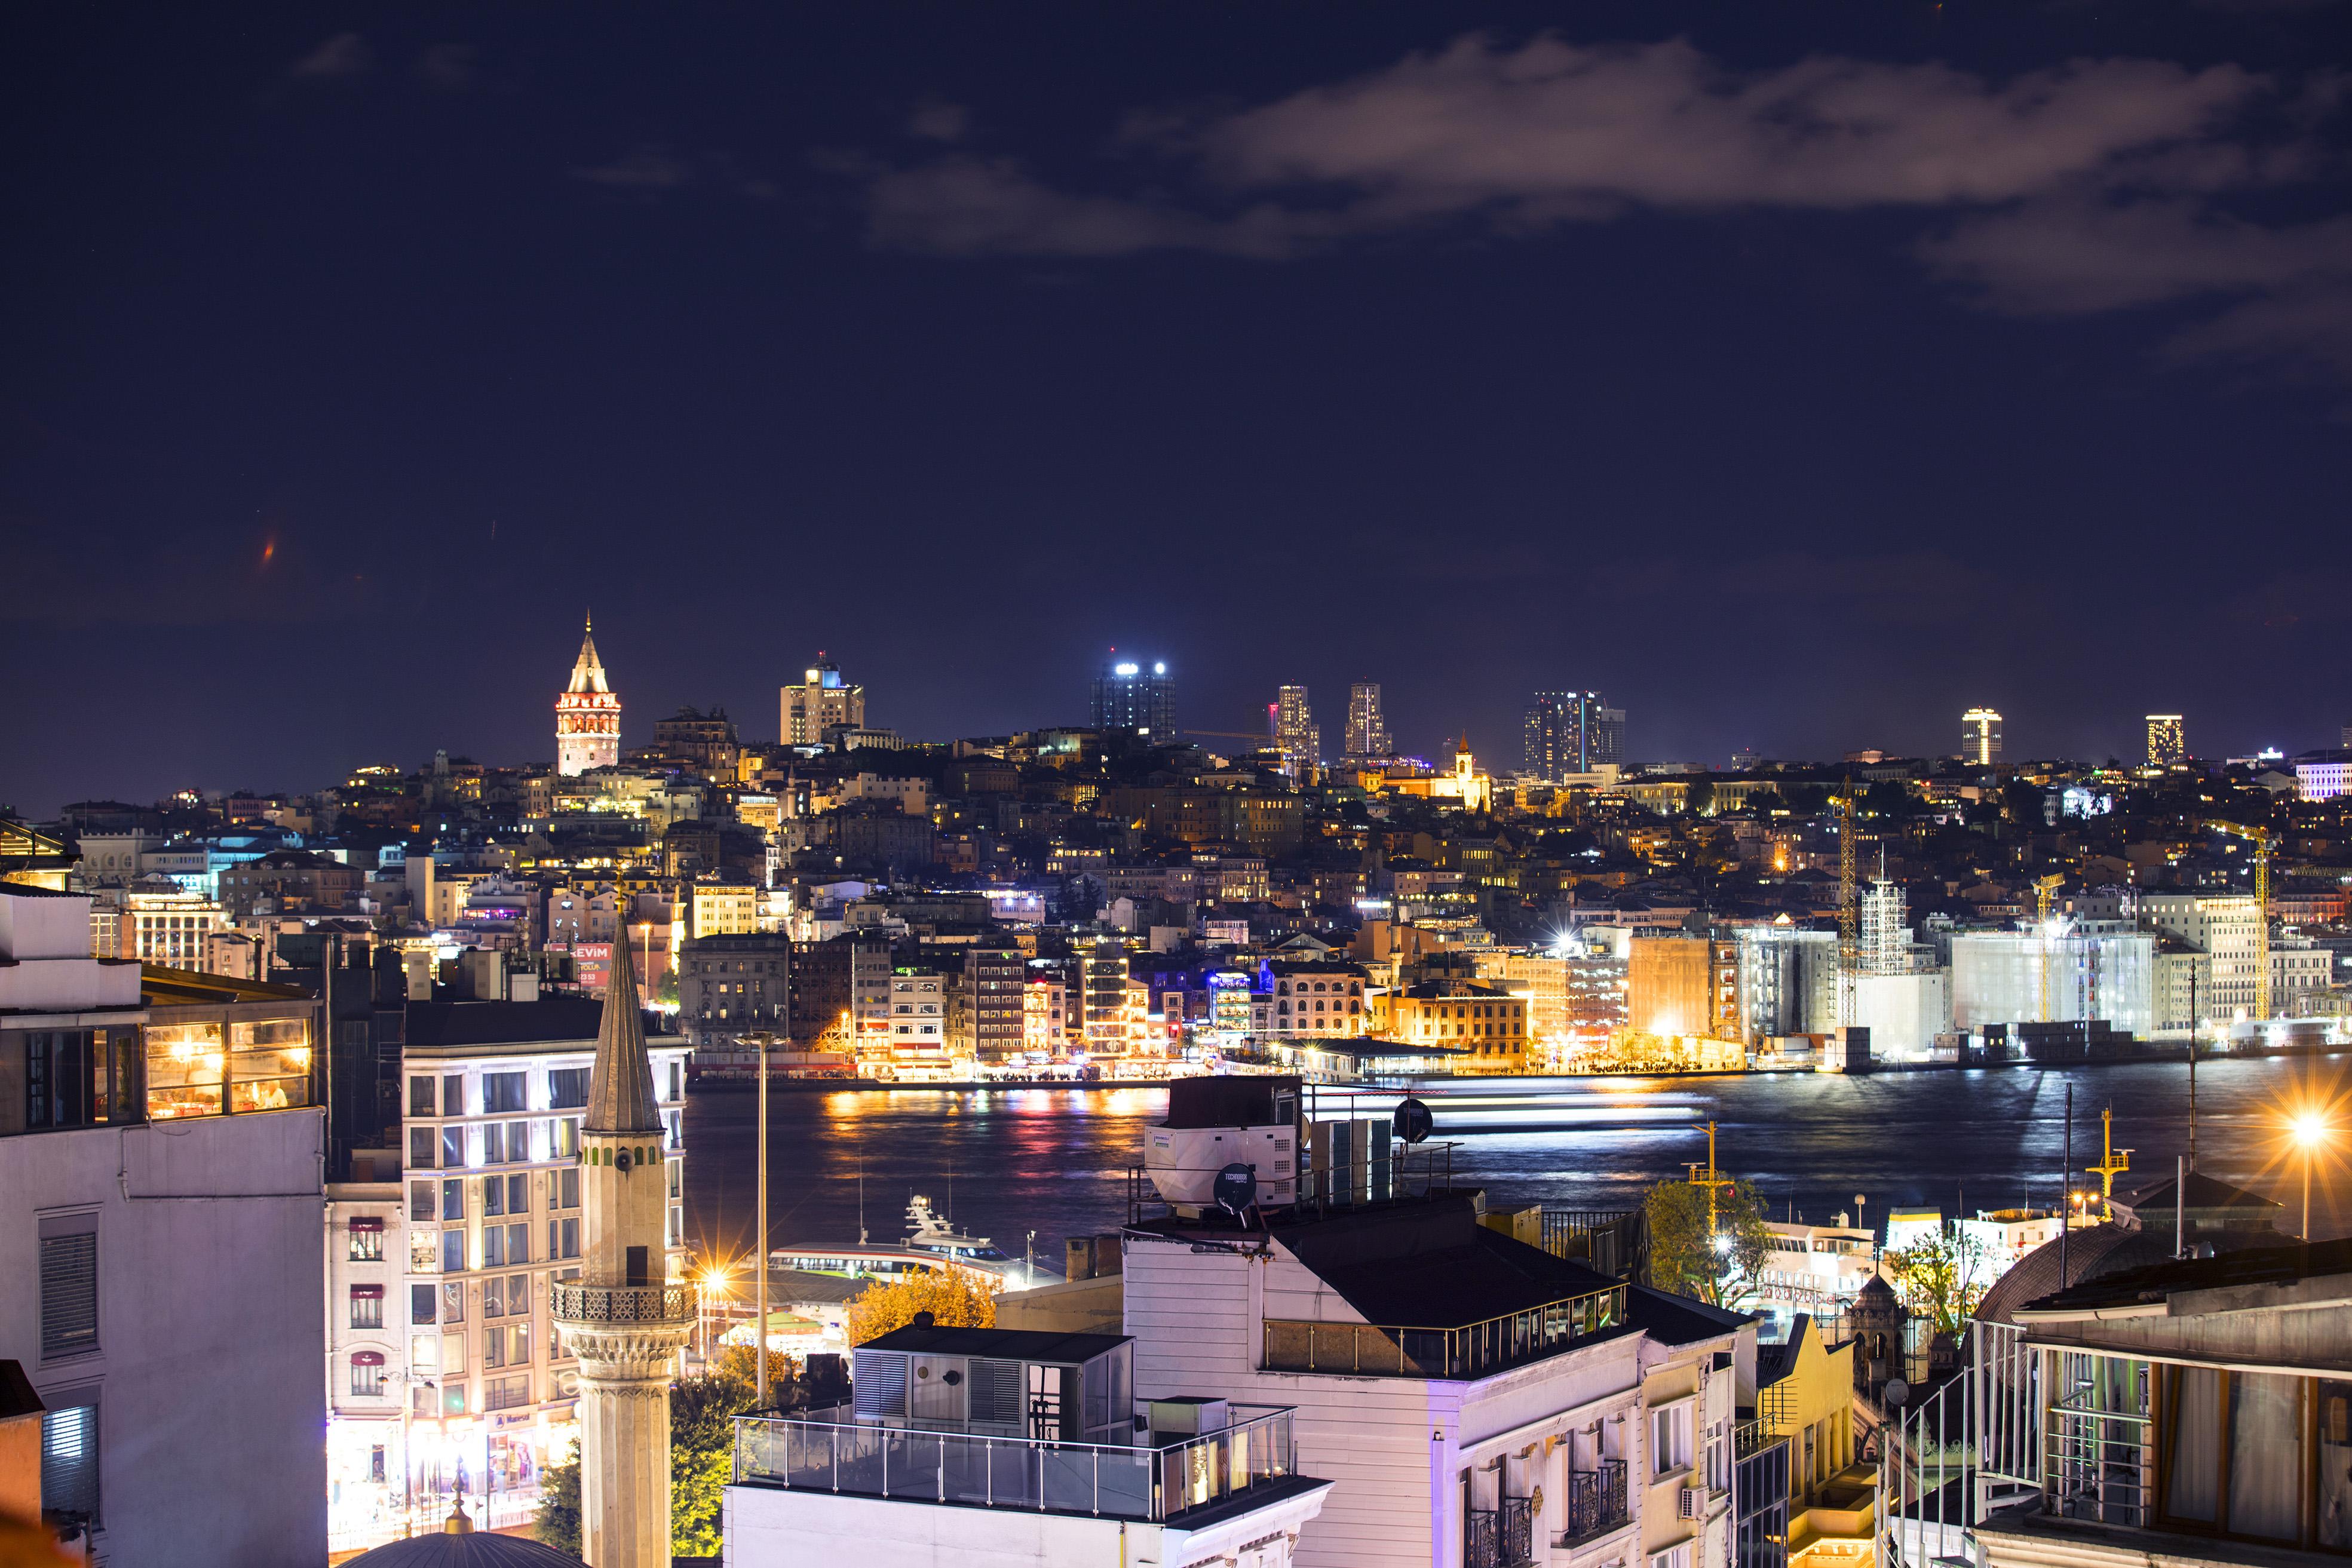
1367,727
1135,695
587,715
822,701
1980,738
2166,742
2228,929
1296,734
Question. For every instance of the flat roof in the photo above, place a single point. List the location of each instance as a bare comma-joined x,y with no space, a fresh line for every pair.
1004,1344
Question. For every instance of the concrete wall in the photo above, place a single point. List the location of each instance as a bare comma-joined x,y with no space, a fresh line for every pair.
212,1427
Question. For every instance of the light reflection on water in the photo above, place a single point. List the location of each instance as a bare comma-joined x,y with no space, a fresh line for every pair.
1007,1161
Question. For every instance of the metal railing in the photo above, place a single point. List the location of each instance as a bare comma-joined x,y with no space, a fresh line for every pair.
573,1302
1596,1500
1974,1444
2099,1461
1611,1240
1500,1537
1031,1474
1754,1436
1395,1350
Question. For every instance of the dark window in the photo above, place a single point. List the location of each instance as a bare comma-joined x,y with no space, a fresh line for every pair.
69,1295
420,1303
567,1087
420,1096
420,1148
636,1266
453,1095
453,1148
420,1200
503,1092
571,1184
494,1195
453,1199
518,1195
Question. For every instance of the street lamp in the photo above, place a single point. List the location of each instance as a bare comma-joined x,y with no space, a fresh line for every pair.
2309,1129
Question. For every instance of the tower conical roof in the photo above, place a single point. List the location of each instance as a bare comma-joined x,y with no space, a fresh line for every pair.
588,670
621,1097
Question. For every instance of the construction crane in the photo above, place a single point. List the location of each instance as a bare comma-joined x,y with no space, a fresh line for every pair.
1713,1182
2261,839
1849,935
2045,888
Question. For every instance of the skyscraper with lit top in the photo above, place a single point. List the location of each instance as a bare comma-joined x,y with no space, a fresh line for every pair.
1135,694
587,715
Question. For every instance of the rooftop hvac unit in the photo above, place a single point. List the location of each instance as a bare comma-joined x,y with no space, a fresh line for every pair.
1217,1122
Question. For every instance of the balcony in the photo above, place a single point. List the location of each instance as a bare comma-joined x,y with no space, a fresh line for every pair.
831,1452
573,1302
1596,1502
1501,1537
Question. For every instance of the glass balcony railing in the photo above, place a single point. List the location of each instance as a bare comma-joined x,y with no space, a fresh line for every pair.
830,1452
1475,1350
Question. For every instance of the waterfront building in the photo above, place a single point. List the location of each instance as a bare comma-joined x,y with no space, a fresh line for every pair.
1903,1012
1368,727
2012,977
1486,1021
1312,999
2166,742
2228,929
446,1376
731,986
1297,736
161,1145
1980,738
2324,775
1788,982
1883,936
822,701
989,1016
1135,695
1018,1447
587,715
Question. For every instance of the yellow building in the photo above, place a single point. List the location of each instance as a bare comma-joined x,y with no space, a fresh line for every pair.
725,909
1487,1021
1805,1393
1475,789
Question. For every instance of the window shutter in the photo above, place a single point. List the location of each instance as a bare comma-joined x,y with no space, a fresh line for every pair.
69,1460
68,1294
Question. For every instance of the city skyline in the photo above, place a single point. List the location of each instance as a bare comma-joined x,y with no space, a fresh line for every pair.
712,341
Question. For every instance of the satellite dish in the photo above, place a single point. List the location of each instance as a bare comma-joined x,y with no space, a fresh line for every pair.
1897,1391
1413,1120
1235,1188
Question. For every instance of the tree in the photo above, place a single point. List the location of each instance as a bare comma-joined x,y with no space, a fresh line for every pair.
557,1523
956,1298
1698,798
1940,1276
1718,1266
702,1412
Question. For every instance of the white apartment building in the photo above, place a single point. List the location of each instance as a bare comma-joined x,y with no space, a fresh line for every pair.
2225,927
155,925
2300,969
2027,977
161,1143
445,1377
1474,1400
1311,1000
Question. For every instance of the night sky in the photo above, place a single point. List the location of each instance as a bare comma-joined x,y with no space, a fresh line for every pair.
1797,377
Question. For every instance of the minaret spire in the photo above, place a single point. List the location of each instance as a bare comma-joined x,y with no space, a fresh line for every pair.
620,1096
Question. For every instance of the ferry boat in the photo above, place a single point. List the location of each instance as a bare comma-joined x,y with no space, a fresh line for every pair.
931,1243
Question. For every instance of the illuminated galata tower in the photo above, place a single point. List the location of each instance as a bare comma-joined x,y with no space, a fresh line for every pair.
587,715
622,1317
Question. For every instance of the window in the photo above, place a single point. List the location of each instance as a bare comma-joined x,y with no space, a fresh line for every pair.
420,1148
504,1091
569,1187
453,1199
453,1148
1670,1439
69,1456
420,1096
269,1064
507,1393
423,1252
453,1095
184,1065
420,1200
567,1087
1672,1557
518,1195
518,1295
420,1303
453,1301
519,1243
69,1290
494,1247
494,1195
494,1144
563,1238
367,1375
367,1306
367,1239
453,1251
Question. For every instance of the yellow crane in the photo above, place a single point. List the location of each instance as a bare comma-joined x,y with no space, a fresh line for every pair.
1713,1182
2114,1162
2045,888
2261,839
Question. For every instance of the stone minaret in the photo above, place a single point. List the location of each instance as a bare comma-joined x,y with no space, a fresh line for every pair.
622,1318
587,715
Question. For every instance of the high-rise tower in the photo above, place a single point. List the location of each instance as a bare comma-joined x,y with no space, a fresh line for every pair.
1980,738
587,715
1571,732
821,702
1295,735
1131,694
622,1320
2166,742
1367,728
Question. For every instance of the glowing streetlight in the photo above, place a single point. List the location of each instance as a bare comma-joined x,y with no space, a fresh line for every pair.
2310,1130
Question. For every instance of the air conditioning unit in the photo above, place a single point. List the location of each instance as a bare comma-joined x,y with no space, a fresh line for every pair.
1214,1122
1690,1502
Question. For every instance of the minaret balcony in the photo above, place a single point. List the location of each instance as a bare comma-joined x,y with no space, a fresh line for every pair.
575,1303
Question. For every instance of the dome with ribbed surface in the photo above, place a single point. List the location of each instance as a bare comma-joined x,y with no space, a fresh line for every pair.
457,1544
621,1097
